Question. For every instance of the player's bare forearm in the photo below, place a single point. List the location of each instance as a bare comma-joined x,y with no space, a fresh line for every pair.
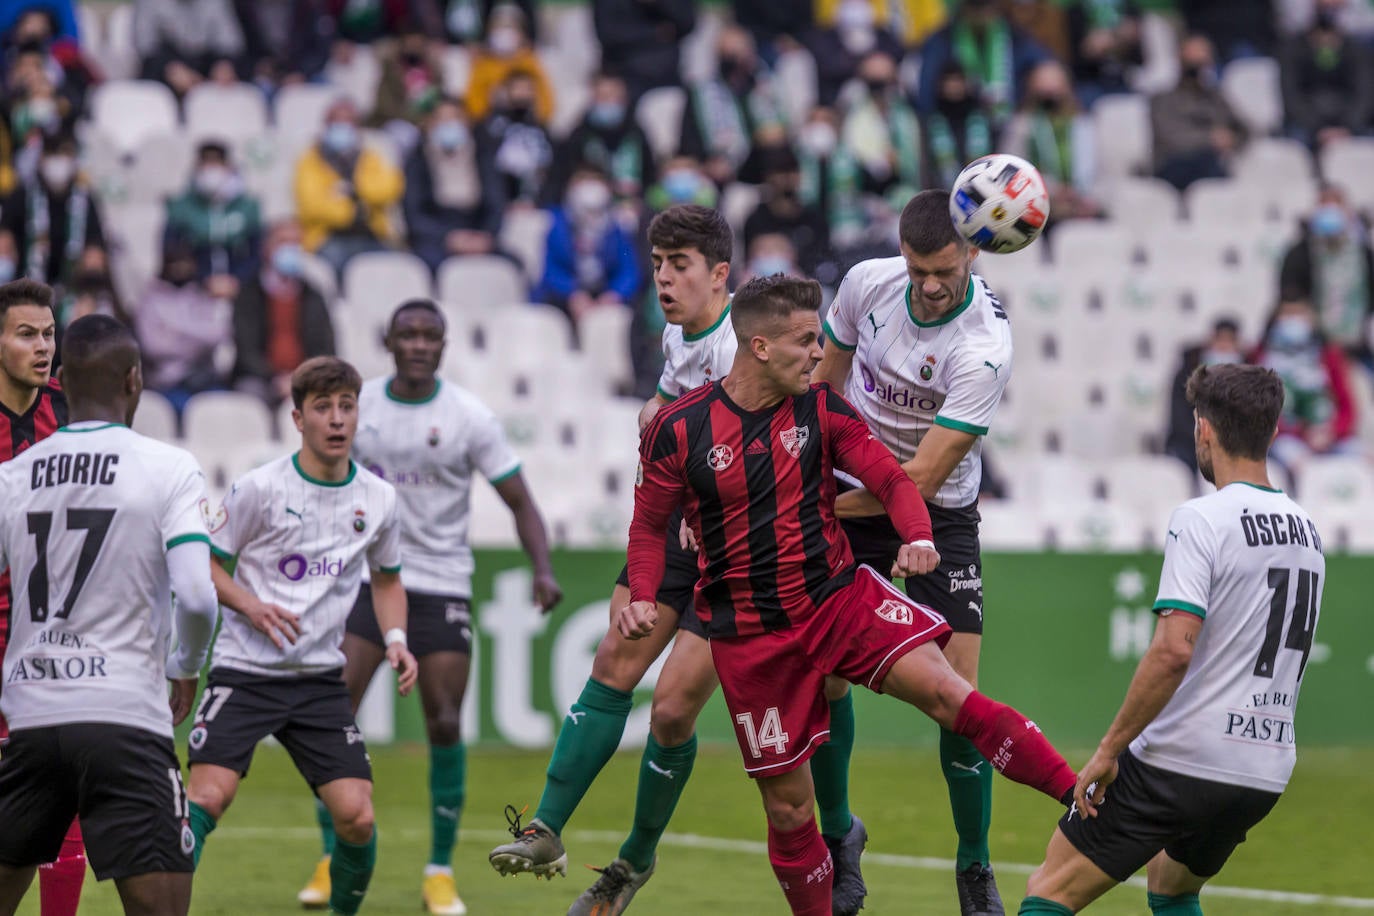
856,504
937,456
834,366
230,594
1156,679
650,410
534,538
389,600
276,623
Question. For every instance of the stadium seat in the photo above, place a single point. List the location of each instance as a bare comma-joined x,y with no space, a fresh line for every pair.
1148,485
660,114
133,231
231,113
358,338
117,57
1121,124
524,233
1043,480
298,112
1269,162
605,339
794,75
161,167
1008,525
127,111
736,203
1222,204
1094,246
1251,86
225,420
477,284
457,70
570,103
528,336
1098,527
1336,478
1143,200
1159,39
156,417
1188,250
570,30
319,273
699,59
358,77
491,524
376,282
1349,164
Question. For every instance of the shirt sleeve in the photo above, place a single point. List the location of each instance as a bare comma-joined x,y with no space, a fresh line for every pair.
384,553
667,383
659,486
186,513
233,526
842,321
975,390
1185,583
491,453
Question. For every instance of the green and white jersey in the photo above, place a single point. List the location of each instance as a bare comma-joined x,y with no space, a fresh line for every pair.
301,543
1249,561
430,450
692,360
909,375
86,521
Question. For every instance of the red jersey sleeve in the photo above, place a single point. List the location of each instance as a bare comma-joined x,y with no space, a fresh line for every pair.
856,452
659,485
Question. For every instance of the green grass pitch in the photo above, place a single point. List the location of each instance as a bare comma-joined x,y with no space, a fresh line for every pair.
1315,844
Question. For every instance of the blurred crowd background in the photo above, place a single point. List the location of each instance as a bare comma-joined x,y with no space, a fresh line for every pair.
253,182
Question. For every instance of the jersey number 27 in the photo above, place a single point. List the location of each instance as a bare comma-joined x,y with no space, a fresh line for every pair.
96,523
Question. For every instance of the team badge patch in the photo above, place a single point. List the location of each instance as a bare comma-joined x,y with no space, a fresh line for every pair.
639,474
794,440
359,521
433,436
188,839
197,737
720,457
894,611
214,521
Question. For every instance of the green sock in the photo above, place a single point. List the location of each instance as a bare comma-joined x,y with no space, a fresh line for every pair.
1182,905
588,738
326,822
1041,905
969,778
202,824
350,870
663,774
448,772
830,769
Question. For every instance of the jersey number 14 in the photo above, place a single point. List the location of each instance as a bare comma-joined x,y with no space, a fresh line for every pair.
1304,619
96,523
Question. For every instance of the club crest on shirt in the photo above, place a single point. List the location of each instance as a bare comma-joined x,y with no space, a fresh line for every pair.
927,370
214,521
794,440
894,611
720,457
433,436
359,520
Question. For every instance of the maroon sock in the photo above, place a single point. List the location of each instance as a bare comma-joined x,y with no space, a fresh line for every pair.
1015,746
59,882
802,863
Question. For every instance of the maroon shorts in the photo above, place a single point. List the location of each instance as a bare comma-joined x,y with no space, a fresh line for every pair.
774,682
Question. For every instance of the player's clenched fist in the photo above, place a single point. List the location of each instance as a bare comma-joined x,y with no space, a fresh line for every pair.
916,559
405,666
274,621
638,619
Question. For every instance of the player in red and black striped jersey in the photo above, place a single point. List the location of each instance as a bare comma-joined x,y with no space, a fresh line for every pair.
32,407
750,459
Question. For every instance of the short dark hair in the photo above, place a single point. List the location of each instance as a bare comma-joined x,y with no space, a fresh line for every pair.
694,226
24,292
1241,402
323,375
97,352
417,305
926,226
766,299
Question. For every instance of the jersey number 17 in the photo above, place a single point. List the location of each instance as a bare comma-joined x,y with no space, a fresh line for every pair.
96,523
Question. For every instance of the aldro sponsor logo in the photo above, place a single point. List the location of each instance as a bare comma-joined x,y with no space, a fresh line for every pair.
898,396
406,477
296,566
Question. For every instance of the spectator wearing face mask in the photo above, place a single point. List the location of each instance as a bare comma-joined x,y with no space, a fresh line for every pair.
454,197
1223,346
1332,267
589,259
1105,46
183,42
681,182
608,138
995,54
882,133
957,131
466,21
523,149
1050,131
344,191
217,217
507,50
1319,414
53,220
285,41
783,212
839,46
769,254
180,325
1328,81
1196,133
410,86
90,291
36,33
36,115
280,320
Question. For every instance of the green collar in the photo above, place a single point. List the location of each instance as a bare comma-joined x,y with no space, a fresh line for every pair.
88,429
1246,483
391,396
352,472
944,319
701,334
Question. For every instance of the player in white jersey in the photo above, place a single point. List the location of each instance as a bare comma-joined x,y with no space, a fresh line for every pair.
922,349
297,533
1204,742
100,526
430,439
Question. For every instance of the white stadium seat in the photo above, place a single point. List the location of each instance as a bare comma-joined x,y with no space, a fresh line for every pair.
660,114
1269,162
1349,164
1089,245
457,70
161,168
128,110
1251,85
1336,478
476,284
605,338
225,420
1012,526
524,233
1224,204
376,282
357,78
1121,124
156,417
298,111
1149,485
1098,527
1151,200
225,112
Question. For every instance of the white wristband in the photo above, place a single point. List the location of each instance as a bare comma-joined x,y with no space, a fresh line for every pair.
395,635
929,545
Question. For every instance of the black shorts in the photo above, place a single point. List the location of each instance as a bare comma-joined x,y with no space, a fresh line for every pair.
1198,822
434,623
955,587
125,784
310,715
678,589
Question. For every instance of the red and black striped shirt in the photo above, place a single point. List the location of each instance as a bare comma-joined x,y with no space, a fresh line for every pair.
17,433
758,490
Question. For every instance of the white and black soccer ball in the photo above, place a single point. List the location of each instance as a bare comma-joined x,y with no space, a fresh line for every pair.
999,203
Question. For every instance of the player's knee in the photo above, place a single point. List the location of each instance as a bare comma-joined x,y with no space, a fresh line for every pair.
672,719
787,814
445,729
835,688
354,821
211,797
615,665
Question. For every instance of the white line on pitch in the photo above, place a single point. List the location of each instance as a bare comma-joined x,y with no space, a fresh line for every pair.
753,847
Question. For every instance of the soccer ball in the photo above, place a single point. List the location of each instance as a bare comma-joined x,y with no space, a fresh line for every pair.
999,203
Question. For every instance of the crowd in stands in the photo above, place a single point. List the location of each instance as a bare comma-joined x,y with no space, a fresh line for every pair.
810,122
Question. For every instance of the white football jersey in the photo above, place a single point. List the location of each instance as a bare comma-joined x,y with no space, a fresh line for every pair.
909,375
692,360
86,520
429,451
301,543
1248,561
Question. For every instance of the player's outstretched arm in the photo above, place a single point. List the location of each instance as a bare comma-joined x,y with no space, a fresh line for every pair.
1156,679
276,623
936,458
534,537
389,603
